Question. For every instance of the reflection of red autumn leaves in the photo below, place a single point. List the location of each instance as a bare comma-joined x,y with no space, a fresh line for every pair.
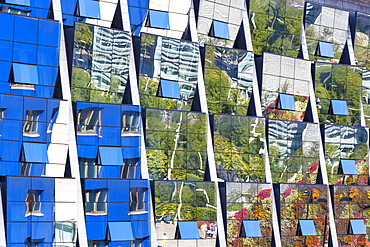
313,168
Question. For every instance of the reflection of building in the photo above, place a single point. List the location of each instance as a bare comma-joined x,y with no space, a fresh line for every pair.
250,118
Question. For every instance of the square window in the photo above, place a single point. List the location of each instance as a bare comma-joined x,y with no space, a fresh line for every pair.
286,102
339,107
220,30
187,230
169,89
158,19
325,49
252,228
348,167
111,156
25,74
357,226
89,9
307,228
116,233
130,123
35,153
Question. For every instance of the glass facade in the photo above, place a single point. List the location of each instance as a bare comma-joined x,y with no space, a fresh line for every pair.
178,123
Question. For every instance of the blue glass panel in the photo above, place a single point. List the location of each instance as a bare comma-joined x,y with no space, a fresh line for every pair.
325,49
43,91
286,102
220,30
6,26
22,34
96,230
44,4
49,33
348,167
46,185
91,184
109,116
159,19
4,87
15,134
118,191
24,53
339,107
188,229
13,105
11,150
17,188
16,211
120,231
110,156
142,3
47,75
25,73
68,6
18,232
141,228
6,50
252,228
5,70
48,56
40,13
90,152
89,8
110,172
35,152
137,17
43,230
357,226
118,211
19,2
130,141
129,153
307,228
169,89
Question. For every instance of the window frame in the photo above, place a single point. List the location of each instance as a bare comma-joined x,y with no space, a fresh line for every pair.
33,203
135,202
132,116
32,121
81,128
96,194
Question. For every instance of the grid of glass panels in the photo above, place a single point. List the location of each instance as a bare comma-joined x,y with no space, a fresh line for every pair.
83,10
245,203
36,142
101,58
281,76
361,46
276,26
344,142
31,216
215,17
351,202
108,140
34,8
176,143
113,205
228,77
366,96
186,212
138,11
338,82
328,25
29,58
167,59
293,151
239,144
304,215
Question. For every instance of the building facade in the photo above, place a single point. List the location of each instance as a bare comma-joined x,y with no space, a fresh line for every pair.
180,123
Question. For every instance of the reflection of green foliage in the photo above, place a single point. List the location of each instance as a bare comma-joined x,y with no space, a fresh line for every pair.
271,30
83,35
338,82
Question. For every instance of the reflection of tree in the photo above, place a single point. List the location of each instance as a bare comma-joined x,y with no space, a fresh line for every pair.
83,35
189,200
